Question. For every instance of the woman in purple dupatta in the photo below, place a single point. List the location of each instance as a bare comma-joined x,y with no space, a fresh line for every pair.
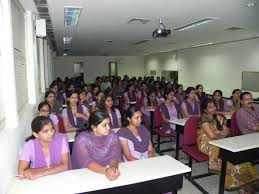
106,105
150,101
45,152
99,150
201,95
169,112
219,102
75,115
190,106
130,96
96,103
135,139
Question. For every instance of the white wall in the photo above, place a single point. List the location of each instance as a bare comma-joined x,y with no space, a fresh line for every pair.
17,126
216,67
98,65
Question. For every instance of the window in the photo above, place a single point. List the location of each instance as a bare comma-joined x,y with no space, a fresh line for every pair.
18,21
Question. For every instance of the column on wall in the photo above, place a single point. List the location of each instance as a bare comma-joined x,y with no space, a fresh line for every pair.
42,66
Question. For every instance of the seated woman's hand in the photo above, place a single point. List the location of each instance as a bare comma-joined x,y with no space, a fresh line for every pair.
78,115
112,173
30,174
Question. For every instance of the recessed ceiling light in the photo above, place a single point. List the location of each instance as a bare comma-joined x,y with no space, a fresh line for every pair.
195,24
250,4
205,44
71,15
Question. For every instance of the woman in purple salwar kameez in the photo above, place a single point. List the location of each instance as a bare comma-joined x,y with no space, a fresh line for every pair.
107,106
45,152
98,150
190,106
135,139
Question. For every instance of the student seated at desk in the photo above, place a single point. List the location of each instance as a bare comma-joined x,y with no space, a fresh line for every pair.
75,115
44,110
169,111
212,127
135,139
150,101
106,105
129,95
233,104
96,103
200,94
50,98
45,152
218,100
190,106
247,116
99,149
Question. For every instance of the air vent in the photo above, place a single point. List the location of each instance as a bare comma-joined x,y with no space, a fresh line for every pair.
171,43
234,28
109,41
140,42
138,21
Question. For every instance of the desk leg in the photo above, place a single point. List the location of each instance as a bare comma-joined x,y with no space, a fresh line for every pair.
177,144
222,176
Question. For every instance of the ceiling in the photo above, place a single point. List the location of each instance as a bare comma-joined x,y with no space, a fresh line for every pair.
108,20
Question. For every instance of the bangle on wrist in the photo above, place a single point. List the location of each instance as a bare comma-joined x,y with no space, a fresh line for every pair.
44,172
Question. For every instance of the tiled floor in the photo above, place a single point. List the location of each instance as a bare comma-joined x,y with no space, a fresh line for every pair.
210,183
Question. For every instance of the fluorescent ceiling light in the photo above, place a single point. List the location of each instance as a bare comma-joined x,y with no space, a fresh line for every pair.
205,44
71,15
67,39
194,24
64,54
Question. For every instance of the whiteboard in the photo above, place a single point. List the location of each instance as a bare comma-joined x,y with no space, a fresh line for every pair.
250,81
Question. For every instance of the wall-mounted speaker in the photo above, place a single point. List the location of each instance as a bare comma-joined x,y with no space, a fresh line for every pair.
41,28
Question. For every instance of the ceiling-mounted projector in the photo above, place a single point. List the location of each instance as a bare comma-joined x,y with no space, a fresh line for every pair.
161,31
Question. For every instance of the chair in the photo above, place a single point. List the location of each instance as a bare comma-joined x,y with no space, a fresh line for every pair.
61,125
234,130
157,129
190,149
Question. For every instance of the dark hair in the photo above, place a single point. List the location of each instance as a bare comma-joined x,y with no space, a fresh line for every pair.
96,118
69,94
205,103
148,96
44,104
188,91
178,86
168,91
37,125
235,90
102,103
48,93
243,94
204,107
217,91
128,114
197,86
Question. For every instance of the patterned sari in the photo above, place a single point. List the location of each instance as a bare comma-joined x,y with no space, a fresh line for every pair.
237,176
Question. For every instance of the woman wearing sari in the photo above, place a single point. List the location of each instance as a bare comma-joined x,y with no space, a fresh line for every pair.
211,127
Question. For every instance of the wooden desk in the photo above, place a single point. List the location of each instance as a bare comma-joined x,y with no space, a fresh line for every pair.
154,175
236,150
115,129
179,130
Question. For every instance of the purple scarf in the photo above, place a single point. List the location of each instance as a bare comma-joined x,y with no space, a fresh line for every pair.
164,110
220,106
89,148
79,121
179,98
114,123
201,97
144,135
132,96
190,110
55,149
